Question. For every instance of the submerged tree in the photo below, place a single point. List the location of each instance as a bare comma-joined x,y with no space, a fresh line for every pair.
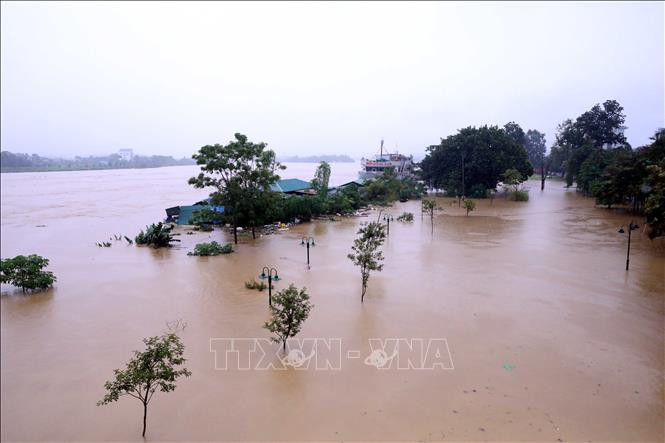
428,207
157,235
290,308
156,368
26,272
366,253
241,173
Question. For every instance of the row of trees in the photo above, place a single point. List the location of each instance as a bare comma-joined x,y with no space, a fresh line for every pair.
592,151
241,174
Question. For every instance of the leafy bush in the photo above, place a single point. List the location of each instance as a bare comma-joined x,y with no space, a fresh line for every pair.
470,205
156,235
26,272
253,284
212,248
204,218
519,195
405,217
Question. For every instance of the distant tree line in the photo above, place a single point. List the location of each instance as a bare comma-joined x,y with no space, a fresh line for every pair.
11,162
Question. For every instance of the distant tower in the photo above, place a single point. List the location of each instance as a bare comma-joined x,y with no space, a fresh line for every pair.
126,154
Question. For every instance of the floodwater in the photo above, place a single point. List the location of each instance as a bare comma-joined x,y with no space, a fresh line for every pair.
551,339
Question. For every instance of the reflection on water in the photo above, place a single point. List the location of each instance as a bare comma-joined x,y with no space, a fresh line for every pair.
538,285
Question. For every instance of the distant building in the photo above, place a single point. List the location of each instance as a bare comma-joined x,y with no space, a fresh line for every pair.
126,154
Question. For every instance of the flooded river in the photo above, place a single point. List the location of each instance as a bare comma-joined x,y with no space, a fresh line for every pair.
549,338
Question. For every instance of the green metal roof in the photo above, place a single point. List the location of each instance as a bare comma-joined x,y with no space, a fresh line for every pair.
290,185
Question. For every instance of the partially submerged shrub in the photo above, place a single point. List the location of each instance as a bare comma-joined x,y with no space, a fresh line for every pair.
156,235
258,285
212,248
519,195
469,205
405,217
26,272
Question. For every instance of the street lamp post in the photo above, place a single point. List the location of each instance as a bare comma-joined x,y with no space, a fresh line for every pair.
270,278
306,241
388,218
631,226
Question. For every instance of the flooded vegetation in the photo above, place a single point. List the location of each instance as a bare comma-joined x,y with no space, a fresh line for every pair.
550,337
189,254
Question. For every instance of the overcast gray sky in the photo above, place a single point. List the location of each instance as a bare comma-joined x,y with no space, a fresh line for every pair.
314,78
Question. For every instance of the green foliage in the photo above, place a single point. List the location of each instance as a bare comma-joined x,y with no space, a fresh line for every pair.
388,188
519,195
597,129
474,158
405,217
205,217
241,173
321,179
512,177
156,235
290,308
156,368
469,205
26,273
654,206
366,253
253,284
212,248
534,143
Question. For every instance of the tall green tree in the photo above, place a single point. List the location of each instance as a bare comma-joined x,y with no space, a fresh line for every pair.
601,127
471,161
240,172
290,308
535,145
321,179
515,131
26,273
366,253
158,367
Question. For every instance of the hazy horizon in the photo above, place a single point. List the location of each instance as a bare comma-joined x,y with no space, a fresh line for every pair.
317,78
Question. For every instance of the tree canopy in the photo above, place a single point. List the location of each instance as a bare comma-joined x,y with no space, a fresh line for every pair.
472,161
366,253
156,368
241,173
289,310
26,273
600,128
321,179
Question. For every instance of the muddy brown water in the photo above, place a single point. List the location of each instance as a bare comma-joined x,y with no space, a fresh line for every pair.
550,338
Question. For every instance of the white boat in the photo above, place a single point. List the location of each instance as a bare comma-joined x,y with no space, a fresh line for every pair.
372,168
